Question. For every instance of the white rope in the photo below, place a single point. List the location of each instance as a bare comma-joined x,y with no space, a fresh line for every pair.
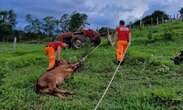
84,58
108,86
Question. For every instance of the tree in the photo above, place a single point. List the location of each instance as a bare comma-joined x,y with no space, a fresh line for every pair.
77,20
6,32
34,24
181,12
8,17
64,23
104,31
12,18
7,24
72,22
50,25
57,26
155,17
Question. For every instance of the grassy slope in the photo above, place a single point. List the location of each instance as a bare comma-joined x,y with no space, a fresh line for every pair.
148,80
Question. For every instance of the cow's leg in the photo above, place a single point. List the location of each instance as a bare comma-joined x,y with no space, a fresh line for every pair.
53,90
45,90
62,91
65,92
59,95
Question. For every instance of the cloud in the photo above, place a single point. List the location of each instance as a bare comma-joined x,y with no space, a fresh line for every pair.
169,6
100,12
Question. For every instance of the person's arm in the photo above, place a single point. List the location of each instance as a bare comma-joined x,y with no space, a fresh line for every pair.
115,36
130,38
59,49
65,45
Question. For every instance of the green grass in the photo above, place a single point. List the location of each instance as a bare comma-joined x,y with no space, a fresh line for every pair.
147,81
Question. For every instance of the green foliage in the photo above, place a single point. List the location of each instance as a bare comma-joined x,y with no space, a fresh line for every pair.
34,25
7,24
150,36
154,18
50,26
64,22
181,11
168,35
77,20
104,31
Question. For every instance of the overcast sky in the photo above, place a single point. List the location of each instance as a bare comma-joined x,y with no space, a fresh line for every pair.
100,12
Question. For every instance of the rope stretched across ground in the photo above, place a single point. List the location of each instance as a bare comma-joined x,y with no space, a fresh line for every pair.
108,86
115,72
85,57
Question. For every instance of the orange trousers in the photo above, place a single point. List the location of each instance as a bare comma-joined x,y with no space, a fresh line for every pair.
50,52
121,47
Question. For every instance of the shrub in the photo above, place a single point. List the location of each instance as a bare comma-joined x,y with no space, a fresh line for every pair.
155,31
168,35
150,36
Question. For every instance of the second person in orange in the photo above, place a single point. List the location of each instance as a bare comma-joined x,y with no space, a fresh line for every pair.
123,34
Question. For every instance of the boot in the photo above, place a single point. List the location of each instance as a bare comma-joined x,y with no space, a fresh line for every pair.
50,67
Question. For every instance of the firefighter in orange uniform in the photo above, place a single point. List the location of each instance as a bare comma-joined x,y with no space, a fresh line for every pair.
123,34
53,51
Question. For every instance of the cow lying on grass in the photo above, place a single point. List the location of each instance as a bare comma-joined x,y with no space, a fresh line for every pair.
178,59
49,82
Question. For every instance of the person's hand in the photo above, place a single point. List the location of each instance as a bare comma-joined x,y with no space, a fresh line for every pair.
66,45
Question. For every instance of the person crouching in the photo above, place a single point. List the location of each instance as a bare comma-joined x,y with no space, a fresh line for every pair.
53,51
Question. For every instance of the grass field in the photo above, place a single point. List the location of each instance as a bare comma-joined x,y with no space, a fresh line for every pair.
147,81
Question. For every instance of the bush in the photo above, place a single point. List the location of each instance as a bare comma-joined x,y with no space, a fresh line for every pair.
168,35
150,36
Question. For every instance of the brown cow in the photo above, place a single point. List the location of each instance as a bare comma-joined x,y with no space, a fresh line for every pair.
49,82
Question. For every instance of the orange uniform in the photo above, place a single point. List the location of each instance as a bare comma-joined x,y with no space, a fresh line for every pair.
122,42
50,52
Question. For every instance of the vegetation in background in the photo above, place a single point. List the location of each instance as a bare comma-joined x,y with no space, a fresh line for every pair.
48,27
153,19
7,24
181,12
51,26
104,31
38,29
147,81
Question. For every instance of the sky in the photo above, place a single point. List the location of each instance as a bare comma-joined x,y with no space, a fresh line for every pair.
100,12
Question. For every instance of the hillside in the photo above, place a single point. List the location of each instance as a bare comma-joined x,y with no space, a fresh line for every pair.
147,81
